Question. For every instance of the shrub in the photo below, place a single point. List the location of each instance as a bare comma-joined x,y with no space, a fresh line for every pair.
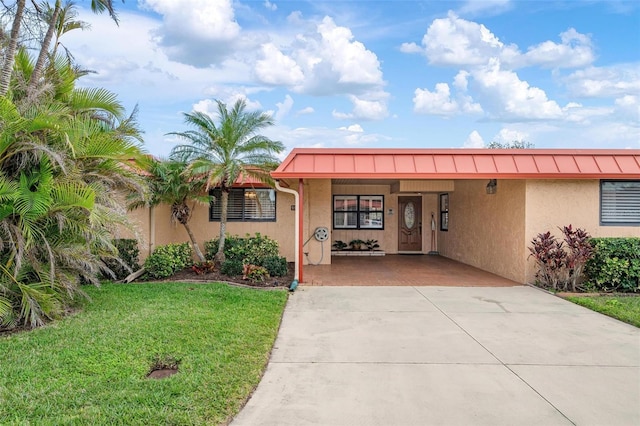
550,256
167,260
615,264
254,273
127,260
231,267
580,251
275,265
248,250
231,242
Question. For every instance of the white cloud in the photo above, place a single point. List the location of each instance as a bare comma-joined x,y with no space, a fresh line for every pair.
628,107
305,110
507,136
356,128
283,108
364,109
574,51
228,97
196,32
611,81
504,96
276,68
474,140
441,102
438,102
410,48
454,41
270,6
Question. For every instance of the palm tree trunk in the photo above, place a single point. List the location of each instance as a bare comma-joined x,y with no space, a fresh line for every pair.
224,207
44,50
195,245
7,68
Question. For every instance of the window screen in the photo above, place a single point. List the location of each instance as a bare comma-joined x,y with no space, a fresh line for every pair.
620,202
245,205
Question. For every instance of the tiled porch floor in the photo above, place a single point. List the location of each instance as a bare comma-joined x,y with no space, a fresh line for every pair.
400,270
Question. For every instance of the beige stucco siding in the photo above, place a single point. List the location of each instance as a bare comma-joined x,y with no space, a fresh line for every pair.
282,230
556,203
317,213
486,231
387,237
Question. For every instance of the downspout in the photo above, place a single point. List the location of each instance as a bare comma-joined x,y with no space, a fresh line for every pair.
152,229
296,196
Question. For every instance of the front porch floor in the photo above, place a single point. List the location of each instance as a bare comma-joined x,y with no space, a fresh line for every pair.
400,270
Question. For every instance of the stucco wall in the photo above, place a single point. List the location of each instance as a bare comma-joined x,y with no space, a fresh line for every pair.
282,230
486,231
557,203
317,213
387,237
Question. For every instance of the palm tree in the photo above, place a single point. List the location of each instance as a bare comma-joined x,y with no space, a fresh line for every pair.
61,162
227,151
170,185
52,18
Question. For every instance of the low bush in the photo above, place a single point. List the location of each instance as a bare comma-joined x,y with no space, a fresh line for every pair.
254,273
615,264
127,260
275,265
561,263
248,250
231,268
167,260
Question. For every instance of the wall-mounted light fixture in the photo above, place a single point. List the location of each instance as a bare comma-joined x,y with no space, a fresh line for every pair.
492,186
390,212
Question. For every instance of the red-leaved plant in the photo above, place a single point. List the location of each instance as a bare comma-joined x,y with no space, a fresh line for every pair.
557,266
550,258
580,250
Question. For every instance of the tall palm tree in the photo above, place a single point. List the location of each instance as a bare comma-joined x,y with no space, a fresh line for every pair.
61,162
225,151
52,18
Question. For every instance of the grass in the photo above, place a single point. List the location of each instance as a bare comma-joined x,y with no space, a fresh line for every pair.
624,308
91,368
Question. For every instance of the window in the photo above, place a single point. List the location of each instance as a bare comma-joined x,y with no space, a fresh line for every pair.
358,212
245,205
620,202
444,212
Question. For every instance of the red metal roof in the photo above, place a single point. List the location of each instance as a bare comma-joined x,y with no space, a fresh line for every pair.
460,164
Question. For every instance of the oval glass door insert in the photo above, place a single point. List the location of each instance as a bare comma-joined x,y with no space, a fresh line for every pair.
409,215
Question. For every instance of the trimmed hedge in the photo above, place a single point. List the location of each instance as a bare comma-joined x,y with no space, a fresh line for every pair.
167,260
615,265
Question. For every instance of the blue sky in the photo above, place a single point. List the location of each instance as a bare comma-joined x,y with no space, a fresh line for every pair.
404,74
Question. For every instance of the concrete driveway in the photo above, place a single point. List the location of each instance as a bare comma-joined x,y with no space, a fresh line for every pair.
448,356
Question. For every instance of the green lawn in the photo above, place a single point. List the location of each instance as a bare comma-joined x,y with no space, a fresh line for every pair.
624,308
91,368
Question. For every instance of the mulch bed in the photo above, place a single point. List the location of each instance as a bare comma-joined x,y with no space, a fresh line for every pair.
189,275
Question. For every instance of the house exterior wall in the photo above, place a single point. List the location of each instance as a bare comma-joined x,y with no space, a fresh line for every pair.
317,213
387,237
556,203
486,231
281,230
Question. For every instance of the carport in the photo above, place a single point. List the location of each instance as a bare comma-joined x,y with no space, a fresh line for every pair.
478,207
401,270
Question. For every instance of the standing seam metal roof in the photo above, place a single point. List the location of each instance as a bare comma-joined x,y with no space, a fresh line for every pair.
460,164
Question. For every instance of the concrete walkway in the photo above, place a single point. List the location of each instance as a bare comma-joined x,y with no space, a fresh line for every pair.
446,356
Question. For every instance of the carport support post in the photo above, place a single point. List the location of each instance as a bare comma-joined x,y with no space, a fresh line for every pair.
300,228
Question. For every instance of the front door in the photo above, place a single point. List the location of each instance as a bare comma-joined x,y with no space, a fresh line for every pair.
410,224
